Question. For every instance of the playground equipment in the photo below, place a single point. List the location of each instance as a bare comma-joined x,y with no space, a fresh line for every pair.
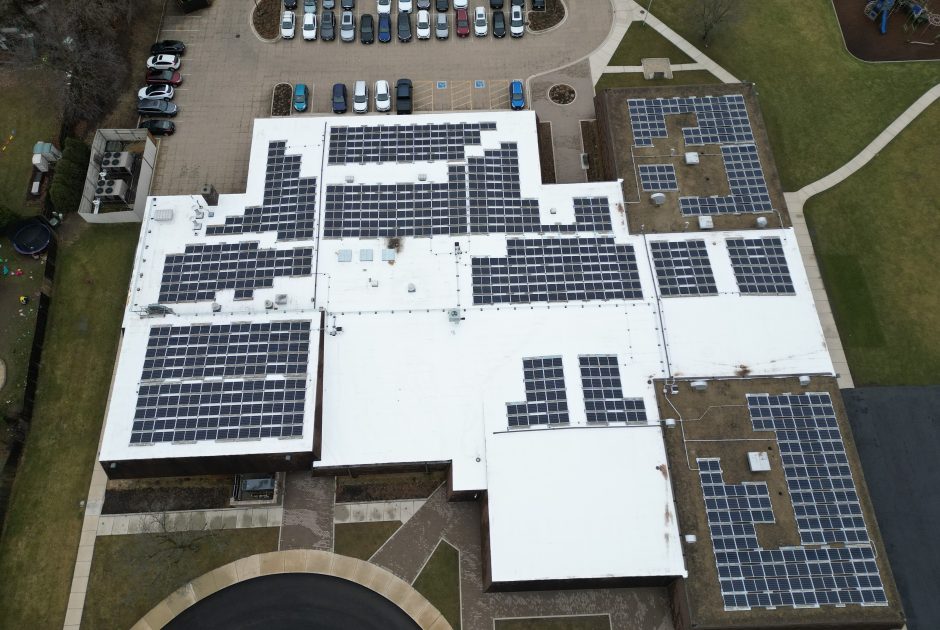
880,9
33,238
918,13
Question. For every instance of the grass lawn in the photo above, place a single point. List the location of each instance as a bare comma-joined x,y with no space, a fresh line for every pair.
641,42
877,238
439,582
361,540
19,322
821,105
593,622
40,536
131,574
635,79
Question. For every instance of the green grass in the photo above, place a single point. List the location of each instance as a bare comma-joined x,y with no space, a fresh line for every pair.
635,79
439,582
361,540
26,110
593,622
642,41
19,322
821,105
41,532
131,574
877,238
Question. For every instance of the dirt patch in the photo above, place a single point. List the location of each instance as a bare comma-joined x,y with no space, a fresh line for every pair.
863,36
281,101
591,145
266,18
131,496
562,94
546,153
553,14
388,487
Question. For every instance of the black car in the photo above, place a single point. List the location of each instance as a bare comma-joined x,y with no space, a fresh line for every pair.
339,98
496,4
168,47
328,26
499,24
347,5
442,5
156,107
518,3
538,5
159,127
290,4
366,29
404,27
423,5
403,90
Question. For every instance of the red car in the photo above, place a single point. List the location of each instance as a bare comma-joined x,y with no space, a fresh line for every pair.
164,77
462,23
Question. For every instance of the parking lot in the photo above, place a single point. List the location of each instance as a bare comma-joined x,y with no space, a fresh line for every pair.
229,74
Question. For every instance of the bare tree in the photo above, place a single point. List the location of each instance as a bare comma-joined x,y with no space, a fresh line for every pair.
174,545
713,13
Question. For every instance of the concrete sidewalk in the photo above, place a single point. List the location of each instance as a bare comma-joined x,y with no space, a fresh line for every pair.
374,511
189,520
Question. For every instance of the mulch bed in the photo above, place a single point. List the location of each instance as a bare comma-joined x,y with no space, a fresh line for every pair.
166,499
543,20
561,94
546,153
266,18
281,102
864,39
591,143
388,487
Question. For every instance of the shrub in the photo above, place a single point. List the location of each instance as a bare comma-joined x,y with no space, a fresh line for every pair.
7,218
65,192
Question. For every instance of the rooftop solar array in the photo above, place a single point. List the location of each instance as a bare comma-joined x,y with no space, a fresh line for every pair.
496,205
658,177
557,270
720,119
403,143
201,270
592,214
732,509
603,392
683,268
546,399
760,266
288,206
745,180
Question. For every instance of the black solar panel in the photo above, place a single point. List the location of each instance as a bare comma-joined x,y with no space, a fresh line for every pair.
546,398
402,143
760,266
719,119
603,392
682,268
658,177
745,180
592,214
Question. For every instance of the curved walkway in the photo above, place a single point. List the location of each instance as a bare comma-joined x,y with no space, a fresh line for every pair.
371,576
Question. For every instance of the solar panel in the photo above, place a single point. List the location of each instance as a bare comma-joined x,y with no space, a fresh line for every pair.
546,399
745,180
203,269
557,270
603,392
682,268
760,266
592,214
719,119
360,144
288,206
658,177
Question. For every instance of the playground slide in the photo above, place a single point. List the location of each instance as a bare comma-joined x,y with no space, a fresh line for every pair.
884,21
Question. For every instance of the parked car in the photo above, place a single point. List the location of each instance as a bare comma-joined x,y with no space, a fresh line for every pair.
405,6
516,95
309,29
366,29
460,4
480,26
300,97
347,26
385,28
403,93
361,97
154,107
442,5
383,96
496,4
347,5
329,4
159,92
516,22
441,28
423,25
290,4
538,5
339,98
158,127
310,6
499,24
163,77
384,6
462,23
404,27
163,62
287,25
423,5
328,26
517,3
168,47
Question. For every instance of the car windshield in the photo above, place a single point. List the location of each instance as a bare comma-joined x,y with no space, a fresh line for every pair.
285,23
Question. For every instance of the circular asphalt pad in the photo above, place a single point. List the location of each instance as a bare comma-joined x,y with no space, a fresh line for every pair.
294,601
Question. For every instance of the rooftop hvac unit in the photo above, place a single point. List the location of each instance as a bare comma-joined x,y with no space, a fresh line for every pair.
705,222
210,194
163,214
453,315
118,163
691,539
761,222
585,162
670,423
699,386
804,381
658,199
691,157
758,461
280,298
422,177
111,190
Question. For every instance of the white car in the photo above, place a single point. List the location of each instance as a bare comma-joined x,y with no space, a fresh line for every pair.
384,6
310,26
423,27
287,25
347,27
480,27
516,22
163,62
404,6
383,97
158,92
460,4
361,98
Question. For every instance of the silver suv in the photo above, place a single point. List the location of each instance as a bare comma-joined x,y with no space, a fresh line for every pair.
347,26
441,28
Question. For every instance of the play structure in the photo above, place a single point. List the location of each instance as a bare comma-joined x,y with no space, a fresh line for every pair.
33,238
918,14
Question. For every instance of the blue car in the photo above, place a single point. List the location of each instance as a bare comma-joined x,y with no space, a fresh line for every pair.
516,95
300,97
385,28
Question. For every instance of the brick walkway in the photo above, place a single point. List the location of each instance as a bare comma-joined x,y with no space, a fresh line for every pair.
308,512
